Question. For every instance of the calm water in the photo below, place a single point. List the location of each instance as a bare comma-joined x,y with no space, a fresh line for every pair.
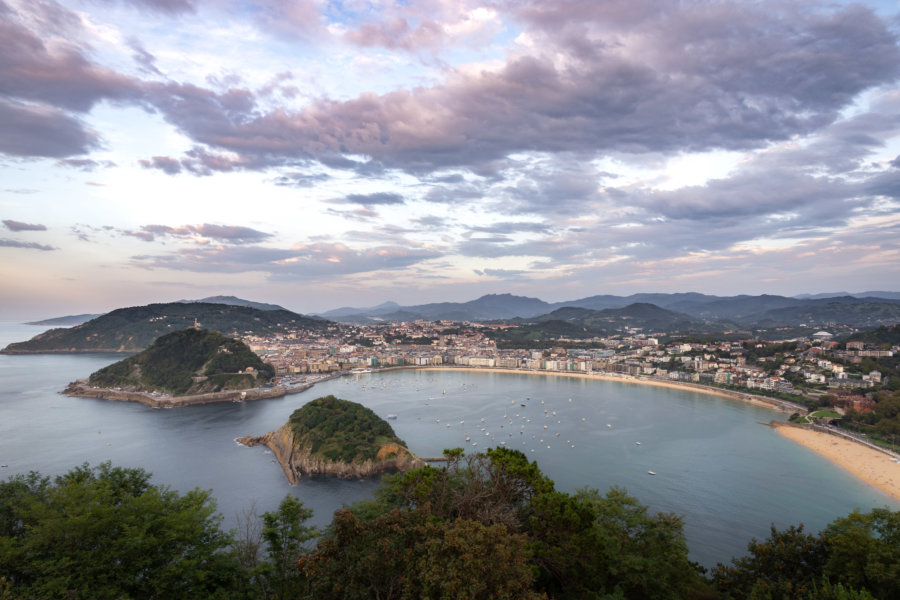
727,475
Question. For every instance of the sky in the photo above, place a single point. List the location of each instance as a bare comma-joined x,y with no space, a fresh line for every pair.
317,154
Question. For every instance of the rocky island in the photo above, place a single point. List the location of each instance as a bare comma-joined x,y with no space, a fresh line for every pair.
329,436
183,367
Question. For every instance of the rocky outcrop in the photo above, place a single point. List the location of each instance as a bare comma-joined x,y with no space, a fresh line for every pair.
297,461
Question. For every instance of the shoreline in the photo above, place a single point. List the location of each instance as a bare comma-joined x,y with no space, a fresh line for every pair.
81,390
773,403
874,467
871,466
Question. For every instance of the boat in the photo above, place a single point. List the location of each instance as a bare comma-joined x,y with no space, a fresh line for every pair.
392,416
651,473
638,443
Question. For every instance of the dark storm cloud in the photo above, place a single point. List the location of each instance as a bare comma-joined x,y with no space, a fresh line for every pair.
7,243
20,226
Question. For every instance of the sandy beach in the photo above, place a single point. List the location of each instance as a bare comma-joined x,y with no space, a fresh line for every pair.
872,466
774,403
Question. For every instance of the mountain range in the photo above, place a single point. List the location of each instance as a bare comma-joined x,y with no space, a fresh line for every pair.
741,310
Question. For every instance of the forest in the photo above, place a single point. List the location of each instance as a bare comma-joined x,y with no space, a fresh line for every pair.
487,525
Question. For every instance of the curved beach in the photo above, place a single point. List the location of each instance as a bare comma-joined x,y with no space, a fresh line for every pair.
871,466
875,467
774,403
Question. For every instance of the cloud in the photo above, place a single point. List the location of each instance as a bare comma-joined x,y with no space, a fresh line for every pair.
301,180
143,58
166,164
166,7
374,199
85,164
52,71
360,214
20,226
42,131
231,234
7,243
688,76
320,260
291,19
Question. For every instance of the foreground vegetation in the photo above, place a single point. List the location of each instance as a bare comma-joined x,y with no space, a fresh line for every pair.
485,526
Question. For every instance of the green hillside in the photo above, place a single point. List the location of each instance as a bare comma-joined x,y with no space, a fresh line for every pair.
190,361
133,329
343,431
881,336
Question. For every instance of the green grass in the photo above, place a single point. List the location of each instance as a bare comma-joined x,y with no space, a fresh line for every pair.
825,414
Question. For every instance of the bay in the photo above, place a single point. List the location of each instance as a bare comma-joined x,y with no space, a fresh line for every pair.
727,475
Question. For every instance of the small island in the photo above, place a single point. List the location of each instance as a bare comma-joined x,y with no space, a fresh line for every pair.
191,366
329,436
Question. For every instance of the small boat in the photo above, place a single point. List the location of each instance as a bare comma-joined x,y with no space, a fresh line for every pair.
651,473
392,416
638,443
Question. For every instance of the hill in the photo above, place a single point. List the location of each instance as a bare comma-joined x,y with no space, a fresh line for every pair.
340,430
234,301
133,329
855,312
882,336
190,361
66,321
329,436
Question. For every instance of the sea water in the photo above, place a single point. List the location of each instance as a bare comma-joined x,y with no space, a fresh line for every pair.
714,464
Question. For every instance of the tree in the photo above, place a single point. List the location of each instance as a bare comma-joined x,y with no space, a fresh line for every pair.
785,565
285,535
864,551
106,532
410,554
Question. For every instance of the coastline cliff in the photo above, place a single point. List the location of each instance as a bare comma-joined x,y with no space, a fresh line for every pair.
336,437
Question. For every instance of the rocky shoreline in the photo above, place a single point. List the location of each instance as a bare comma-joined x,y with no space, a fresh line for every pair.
297,462
81,389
